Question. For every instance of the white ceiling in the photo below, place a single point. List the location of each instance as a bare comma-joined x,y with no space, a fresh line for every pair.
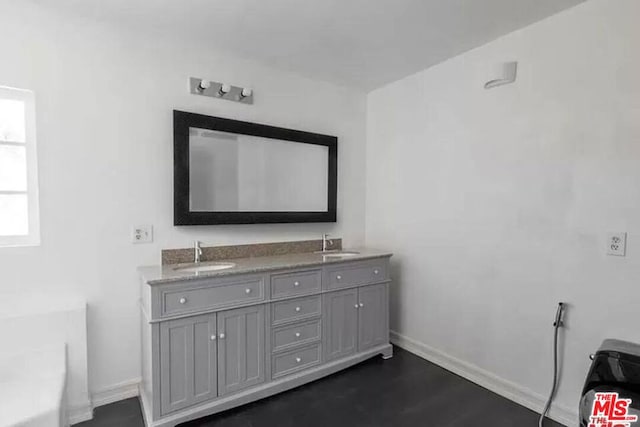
363,43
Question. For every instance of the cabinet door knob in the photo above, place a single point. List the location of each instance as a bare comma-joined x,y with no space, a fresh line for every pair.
247,291
296,284
297,334
361,305
297,308
356,306
213,337
376,271
221,335
183,300
339,277
298,359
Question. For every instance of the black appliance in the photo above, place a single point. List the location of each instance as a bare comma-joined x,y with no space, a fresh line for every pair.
615,369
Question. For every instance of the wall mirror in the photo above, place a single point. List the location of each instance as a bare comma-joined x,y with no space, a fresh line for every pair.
233,172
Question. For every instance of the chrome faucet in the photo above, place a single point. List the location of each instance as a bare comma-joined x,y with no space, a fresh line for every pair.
326,242
197,251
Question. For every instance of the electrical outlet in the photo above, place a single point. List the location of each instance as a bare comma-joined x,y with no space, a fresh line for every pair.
142,234
617,244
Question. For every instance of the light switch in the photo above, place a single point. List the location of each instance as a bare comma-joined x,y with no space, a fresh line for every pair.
617,244
142,234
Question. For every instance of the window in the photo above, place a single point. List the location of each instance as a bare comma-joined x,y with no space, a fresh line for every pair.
19,218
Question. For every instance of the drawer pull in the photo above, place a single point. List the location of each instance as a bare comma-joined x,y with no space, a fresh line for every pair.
297,334
296,284
183,300
376,271
298,359
213,337
339,277
247,291
221,335
297,309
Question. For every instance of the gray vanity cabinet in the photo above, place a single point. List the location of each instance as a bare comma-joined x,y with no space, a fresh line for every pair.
241,348
215,342
188,363
373,325
341,323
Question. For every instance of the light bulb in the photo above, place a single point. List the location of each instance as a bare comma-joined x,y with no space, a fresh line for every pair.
224,89
204,85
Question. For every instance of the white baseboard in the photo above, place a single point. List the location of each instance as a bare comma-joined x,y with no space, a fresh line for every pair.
112,394
511,391
79,414
124,390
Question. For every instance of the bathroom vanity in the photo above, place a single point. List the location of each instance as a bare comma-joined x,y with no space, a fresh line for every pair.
213,340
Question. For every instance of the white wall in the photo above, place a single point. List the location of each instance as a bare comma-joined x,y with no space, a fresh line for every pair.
104,102
497,203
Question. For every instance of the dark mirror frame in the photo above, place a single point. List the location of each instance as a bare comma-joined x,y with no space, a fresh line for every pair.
182,121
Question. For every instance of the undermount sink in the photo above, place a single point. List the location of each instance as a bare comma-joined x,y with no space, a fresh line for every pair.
206,267
338,254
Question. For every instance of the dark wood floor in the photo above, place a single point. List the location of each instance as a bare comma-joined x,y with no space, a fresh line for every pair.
402,391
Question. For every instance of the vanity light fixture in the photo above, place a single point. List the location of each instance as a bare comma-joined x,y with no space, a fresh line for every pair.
203,87
504,75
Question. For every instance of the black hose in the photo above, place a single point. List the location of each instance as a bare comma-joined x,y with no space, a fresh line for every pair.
554,388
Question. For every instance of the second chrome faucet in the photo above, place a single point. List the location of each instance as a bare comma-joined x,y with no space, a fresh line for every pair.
326,242
197,251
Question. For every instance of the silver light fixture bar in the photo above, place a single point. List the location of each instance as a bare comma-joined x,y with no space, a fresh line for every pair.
219,90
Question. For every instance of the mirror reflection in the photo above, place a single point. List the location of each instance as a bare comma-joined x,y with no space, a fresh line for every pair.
243,173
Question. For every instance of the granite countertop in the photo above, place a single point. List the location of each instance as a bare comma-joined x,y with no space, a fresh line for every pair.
155,275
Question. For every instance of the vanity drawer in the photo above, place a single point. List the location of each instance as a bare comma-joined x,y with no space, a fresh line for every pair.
298,283
295,360
296,334
212,295
295,309
355,274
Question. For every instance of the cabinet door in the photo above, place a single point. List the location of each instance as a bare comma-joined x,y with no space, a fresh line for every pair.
241,349
188,362
340,323
373,328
